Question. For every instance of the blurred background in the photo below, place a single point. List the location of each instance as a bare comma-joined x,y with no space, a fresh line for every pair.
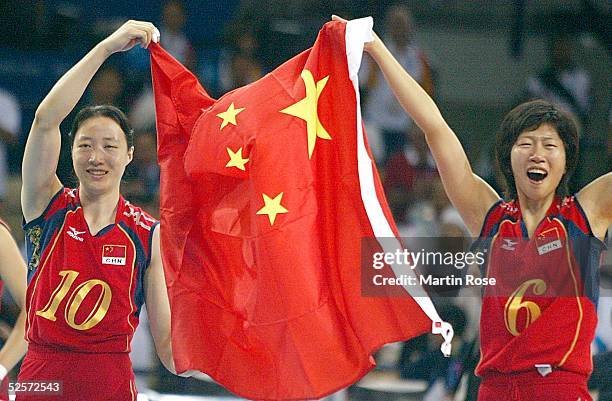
476,58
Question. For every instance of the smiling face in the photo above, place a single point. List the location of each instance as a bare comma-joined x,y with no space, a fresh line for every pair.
538,162
100,155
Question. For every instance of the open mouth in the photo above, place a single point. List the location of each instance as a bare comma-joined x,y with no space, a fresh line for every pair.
536,175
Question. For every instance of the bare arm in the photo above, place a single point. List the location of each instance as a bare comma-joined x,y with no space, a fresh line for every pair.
13,273
472,196
596,200
43,145
158,305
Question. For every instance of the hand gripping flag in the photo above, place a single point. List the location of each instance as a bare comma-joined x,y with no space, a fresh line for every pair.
266,194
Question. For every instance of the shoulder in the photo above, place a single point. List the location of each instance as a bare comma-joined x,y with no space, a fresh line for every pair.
501,210
571,210
138,220
595,200
65,199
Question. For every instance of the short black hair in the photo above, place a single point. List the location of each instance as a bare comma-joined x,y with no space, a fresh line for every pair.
529,116
105,110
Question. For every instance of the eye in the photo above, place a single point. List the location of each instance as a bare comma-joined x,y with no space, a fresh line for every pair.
523,144
84,145
550,146
110,147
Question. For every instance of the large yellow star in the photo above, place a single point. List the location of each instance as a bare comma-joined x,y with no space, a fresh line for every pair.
229,115
236,159
272,207
306,109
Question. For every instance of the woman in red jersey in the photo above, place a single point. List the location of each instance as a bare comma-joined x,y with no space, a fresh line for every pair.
537,329
13,274
93,257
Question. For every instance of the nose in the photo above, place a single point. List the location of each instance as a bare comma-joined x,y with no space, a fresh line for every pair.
536,155
94,157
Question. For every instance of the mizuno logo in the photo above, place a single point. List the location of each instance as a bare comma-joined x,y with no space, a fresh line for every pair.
74,233
509,245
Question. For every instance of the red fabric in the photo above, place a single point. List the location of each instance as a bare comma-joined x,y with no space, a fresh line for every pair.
271,311
2,223
97,298
516,342
531,386
4,384
82,376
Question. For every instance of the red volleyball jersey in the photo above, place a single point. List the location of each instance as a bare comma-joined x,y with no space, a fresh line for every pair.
542,310
85,291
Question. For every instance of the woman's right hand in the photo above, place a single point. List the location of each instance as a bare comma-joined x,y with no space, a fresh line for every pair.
129,35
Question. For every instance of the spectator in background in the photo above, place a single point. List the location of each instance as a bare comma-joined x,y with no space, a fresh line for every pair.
107,87
238,63
563,82
382,110
10,125
404,173
141,180
173,38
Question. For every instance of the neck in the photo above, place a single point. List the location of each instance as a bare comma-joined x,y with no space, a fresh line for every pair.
535,207
99,207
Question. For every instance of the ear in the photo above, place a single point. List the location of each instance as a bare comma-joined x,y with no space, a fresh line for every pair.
130,154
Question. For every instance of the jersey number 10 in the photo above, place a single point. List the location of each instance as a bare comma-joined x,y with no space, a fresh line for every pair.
75,300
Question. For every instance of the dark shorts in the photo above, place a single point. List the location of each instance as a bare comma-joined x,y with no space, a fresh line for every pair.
81,376
530,386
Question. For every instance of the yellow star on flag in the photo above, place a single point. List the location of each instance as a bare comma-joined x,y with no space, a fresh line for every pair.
306,109
272,207
229,115
236,159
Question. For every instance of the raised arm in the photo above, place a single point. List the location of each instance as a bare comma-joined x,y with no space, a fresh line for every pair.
13,273
468,193
596,200
43,145
158,305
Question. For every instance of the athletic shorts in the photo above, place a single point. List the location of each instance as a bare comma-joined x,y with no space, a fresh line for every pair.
531,386
81,376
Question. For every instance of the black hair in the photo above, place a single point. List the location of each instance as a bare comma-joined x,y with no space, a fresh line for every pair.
529,116
104,110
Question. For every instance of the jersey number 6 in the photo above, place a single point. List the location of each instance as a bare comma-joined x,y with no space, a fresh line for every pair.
76,299
515,304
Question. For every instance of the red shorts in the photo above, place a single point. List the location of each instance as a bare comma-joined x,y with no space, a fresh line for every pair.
531,386
82,376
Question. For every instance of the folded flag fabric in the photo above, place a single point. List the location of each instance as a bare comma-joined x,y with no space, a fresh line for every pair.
266,194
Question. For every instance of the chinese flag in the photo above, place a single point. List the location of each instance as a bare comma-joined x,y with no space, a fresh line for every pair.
266,194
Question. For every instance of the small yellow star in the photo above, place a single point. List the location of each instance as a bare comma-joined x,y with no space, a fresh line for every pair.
272,207
306,109
236,159
229,115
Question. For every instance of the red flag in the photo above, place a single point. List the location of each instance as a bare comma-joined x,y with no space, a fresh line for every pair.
266,194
